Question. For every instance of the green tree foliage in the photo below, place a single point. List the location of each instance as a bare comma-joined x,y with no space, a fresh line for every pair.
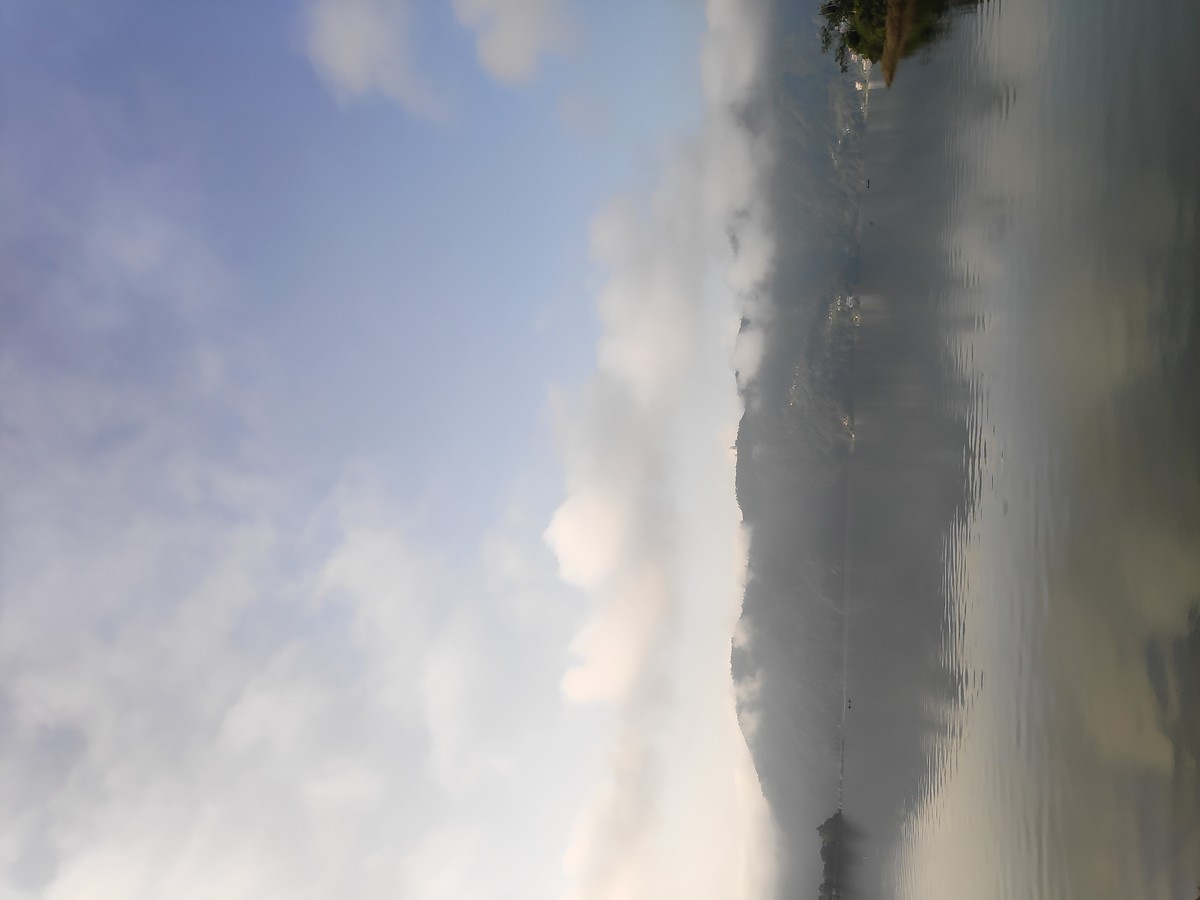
860,28
854,27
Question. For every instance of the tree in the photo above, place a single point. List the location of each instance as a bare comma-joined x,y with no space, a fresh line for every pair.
854,27
834,857
886,30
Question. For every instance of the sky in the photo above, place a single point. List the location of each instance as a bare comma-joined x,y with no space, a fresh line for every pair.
367,390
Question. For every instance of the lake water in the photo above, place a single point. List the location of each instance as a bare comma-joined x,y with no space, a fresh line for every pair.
1010,541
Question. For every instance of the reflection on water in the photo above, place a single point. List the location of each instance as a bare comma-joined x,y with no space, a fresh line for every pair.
970,460
1058,284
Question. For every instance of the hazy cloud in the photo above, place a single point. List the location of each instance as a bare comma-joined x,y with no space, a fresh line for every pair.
748,354
216,685
188,713
650,528
212,684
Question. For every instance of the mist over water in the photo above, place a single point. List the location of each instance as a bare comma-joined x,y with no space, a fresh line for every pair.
973,448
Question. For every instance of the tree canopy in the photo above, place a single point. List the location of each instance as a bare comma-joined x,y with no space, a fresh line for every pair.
883,30
834,856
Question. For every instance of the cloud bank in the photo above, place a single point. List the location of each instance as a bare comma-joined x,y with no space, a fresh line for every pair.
650,527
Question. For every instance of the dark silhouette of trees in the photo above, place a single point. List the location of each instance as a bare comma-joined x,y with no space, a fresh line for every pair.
835,856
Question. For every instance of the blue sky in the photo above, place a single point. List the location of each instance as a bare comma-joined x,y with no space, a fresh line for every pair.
368,381
439,269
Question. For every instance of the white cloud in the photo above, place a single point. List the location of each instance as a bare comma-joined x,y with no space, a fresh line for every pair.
747,354
372,46
436,869
365,46
650,525
513,35
212,684
201,719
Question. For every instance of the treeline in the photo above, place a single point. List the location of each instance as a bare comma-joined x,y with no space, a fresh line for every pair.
835,856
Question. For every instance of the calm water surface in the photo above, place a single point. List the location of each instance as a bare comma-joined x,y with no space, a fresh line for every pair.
1023,576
